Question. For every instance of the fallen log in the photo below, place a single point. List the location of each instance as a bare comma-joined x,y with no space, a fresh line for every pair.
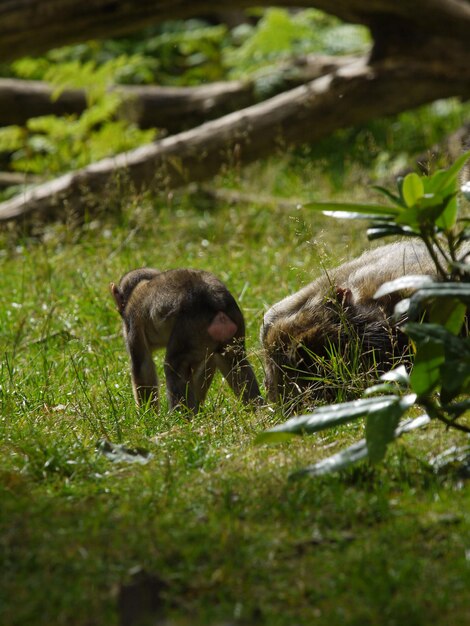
13,179
352,95
172,108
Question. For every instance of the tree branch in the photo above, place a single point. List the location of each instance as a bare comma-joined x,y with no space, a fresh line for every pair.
352,95
172,108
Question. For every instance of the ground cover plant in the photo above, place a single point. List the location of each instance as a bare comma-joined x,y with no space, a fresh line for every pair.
203,526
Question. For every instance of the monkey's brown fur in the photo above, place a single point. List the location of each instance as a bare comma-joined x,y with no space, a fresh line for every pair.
194,316
331,312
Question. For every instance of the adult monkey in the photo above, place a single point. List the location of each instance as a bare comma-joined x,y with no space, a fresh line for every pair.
195,317
302,331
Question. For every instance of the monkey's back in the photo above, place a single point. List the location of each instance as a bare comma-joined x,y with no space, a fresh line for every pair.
194,296
362,276
333,310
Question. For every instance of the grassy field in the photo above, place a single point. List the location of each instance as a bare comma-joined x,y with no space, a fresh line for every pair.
208,529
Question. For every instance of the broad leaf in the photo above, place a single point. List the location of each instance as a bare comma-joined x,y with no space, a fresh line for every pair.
444,181
448,312
328,417
465,189
402,310
412,189
378,231
398,375
441,357
394,198
404,282
406,426
457,457
347,207
443,290
380,430
380,388
455,376
357,452
346,215
341,460
440,293
418,216
449,216
421,333
426,372
457,408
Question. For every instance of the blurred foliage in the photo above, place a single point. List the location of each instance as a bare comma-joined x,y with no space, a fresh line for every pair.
280,35
195,51
51,144
387,146
199,51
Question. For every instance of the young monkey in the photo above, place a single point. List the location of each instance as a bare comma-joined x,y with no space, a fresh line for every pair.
300,332
195,317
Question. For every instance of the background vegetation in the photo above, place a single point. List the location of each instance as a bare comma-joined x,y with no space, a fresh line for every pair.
202,521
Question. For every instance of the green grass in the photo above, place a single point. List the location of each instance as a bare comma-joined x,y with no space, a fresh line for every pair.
211,517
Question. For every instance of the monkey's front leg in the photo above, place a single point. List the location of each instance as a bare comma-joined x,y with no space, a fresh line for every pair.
237,371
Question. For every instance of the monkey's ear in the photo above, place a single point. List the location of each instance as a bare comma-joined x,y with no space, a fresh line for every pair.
344,296
117,295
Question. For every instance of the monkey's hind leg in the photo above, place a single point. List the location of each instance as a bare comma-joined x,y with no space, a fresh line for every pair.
143,372
201,378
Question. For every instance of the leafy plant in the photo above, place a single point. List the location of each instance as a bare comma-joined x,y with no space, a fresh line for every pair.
280,35
424,207
51,144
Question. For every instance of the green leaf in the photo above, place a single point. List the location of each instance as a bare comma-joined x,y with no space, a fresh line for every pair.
398,375
465,189
412,189
448,217
406,426
370,210
455,457
11,138
345,215
422,333
413,281
394,198
457,408
377,231
382,388
438,292
449,313
445,181
443,290
328,417
455,379
425,213
426,372
380,430
355,453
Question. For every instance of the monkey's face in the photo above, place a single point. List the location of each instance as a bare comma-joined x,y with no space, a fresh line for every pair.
329,355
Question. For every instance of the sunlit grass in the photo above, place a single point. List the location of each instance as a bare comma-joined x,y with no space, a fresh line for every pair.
210,516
